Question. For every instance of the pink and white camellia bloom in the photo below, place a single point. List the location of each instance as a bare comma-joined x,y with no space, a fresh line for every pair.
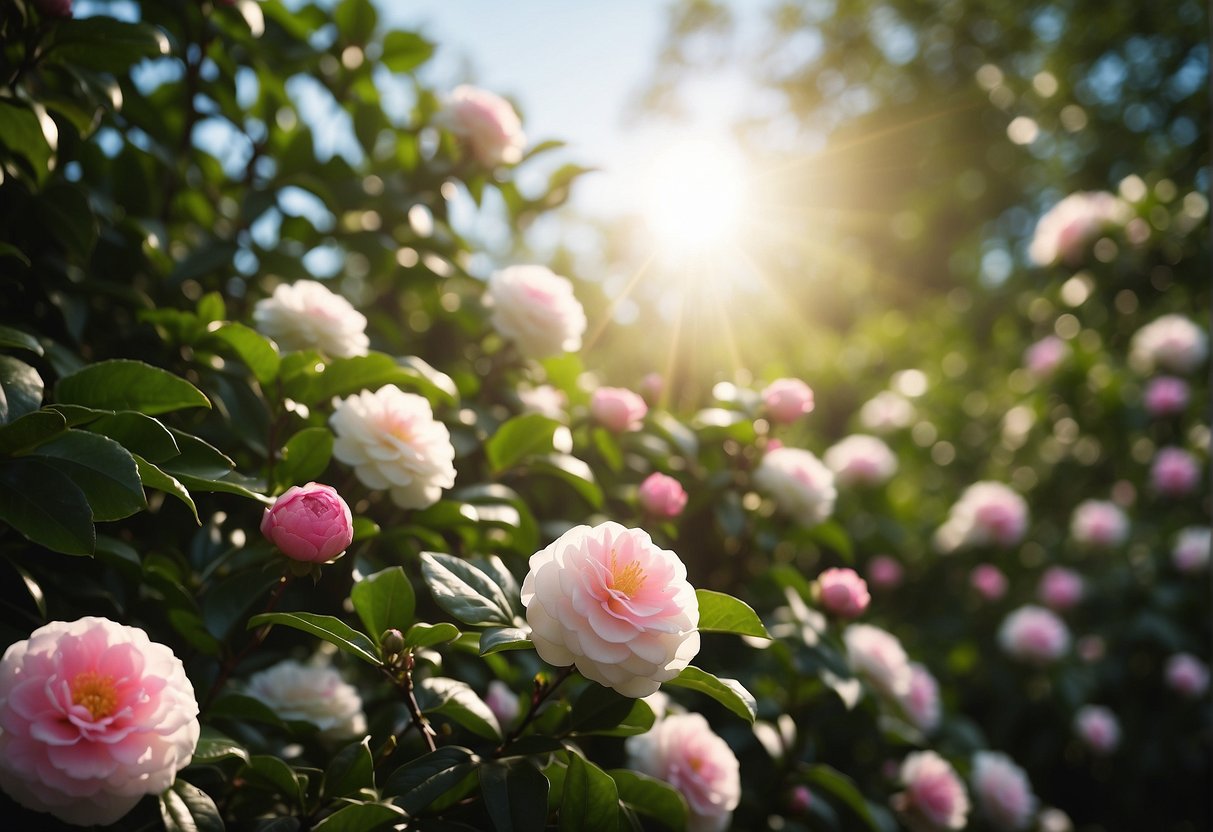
394,443
989,581
307,315
1004,795
502,701
1174,472
860,459
987,514
682,750
1172,343
313,693
878,657
1099,524
545,400
787,399
935,797
886,412
486,123
661,496
93,716
612,602
1034,635
536,309
617,409
1098,728
801,486
1190,554
921,703
842,593
1187,675
1066,229
309,523
885,572
1044,357
1166,396
1060,588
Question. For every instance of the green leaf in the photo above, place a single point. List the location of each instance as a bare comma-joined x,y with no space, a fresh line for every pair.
420,782
30,431
20,389
843,788
10,250
10,337
241,709
465,591
600,710
652,797
458,702
430,635
591,800
186,808
122,384
608,449
153,477
214,746
720,613
46,506
518,438
350,771
405,51
355,19
198,458
65,208
333,630
361,817
101,468
21,133
573,471
254,349
305,456
104,44
516,796
138,433
384,600
303,382
497,639
278,775
832,535
434,384
211,308
728,692
222,486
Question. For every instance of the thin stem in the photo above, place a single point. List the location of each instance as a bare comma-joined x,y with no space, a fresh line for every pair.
403,680
233,660
538,697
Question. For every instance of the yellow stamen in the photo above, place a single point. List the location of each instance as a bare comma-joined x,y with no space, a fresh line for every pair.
95,693
629,580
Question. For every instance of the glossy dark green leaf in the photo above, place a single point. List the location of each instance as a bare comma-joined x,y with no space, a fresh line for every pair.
497,639
518,438
123,384
20,389
728,692
652,797
465,591
721,613
384,600
356,20
278,775
351,770
21,133
305,456
250,346
46,506
153,477
362,817
458,702
19,339
516,796
30,431
104,43
186,808
420,782
405,51
333,630
101,468
214,746
430,635
138,433
574,472
843,788
590,802
600,710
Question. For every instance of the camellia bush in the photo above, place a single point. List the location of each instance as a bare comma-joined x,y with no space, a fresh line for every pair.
307,524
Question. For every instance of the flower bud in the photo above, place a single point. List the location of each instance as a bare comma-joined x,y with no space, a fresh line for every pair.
841,592
787,399
392,642
662,497
309,523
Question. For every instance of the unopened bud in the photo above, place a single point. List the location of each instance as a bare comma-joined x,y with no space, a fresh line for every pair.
392,642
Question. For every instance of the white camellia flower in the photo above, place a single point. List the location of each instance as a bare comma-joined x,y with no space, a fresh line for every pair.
612,602
801,486
393,442
311,693
1171,342
1099,524
877,656
536,309
860,459
307,315
1069,226
886,412
486,123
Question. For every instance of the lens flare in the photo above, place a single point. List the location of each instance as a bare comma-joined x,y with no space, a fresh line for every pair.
697,198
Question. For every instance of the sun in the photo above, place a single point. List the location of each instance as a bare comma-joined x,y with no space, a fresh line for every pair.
696,198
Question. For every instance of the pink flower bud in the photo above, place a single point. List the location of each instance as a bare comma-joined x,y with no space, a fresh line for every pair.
1166,396
1098,727
800,800
1099,524
1174,472
309,523
662,497
651,387
989,581
486,124
1060,588
1191,551
618,410
1187,675
787,399
1034,635
1044,357
843,593
884,572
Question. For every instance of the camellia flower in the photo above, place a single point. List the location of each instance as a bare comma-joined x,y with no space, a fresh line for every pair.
878,657
1060,588
93,716
393,442
309,523
651,387
1044,357
1166,396
801,486
787,399
921,702
486,123
800,800
860,459
1066,229
886,412
682,750
1171,342
55,8
311,693
661,496
1191,550
545,400
1099,523
306,315
1003,792
1098,727
612,602
536,309
1187,675
1035,635
618,410
989,581
987,514
502,701
841,592
884,572
935,796
1174,472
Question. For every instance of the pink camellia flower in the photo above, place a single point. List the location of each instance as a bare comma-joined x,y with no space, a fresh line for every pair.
651,387
536,309
801,486
1166,396
989,581
1060,588
884,572
787,399
1090,648
921,702
617,409
1191,550
309,523
1187,675
314,693
1035,635
615,604
93,716
502,701
841,592
987,514
486,123
307,315
55,8
1044,357
1098,727
886,412
1099,524
1171,342
1174,472
935,797
860,459
682,750
878,657
661,496
800,800
1003,792
1066,229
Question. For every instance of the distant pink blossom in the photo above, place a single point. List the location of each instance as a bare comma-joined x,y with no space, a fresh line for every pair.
884,572
1090,648
309,523
652,386
842,593
1065,230
1060,588
987,514
799,483
1174,472
800,800
877,656
989,581
1035,635
861,460
1172,343
661,496
55,8
1098,728
921,704
1187,675
502,701
787,399
1043,358
934,797
1004,795
618,410
1166,396
1099,524
1191,550
886,412
486,123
